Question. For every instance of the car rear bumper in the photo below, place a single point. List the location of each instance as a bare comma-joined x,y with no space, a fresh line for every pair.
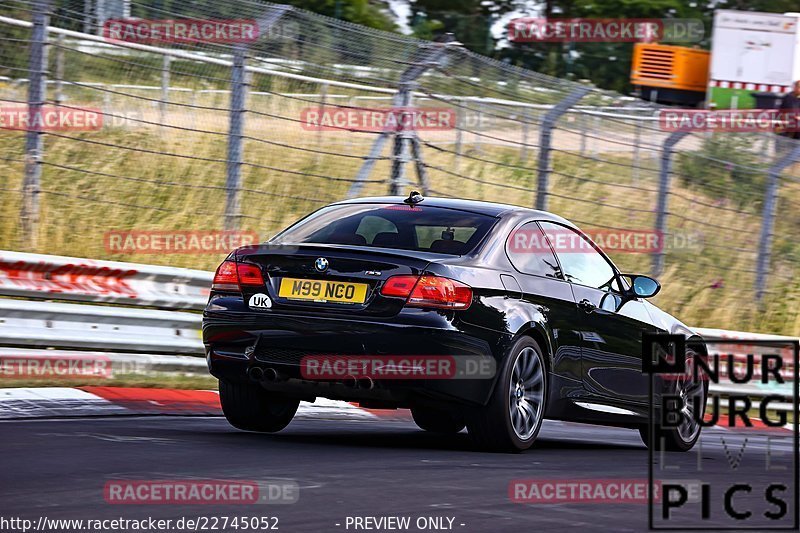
237,343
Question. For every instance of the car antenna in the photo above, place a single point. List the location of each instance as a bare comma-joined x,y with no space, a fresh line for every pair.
414,198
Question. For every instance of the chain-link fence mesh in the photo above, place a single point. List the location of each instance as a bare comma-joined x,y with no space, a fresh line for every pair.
171,155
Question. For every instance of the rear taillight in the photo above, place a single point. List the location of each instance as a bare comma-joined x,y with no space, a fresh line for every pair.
249,275
400,286
226,279
429,291
231,276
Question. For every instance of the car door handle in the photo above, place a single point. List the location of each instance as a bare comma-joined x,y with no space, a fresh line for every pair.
586,305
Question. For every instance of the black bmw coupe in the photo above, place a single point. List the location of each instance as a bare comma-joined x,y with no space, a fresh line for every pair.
470,314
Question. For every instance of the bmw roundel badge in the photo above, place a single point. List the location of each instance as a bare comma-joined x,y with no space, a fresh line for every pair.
321,264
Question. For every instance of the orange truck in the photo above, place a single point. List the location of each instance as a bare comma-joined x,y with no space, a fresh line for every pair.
668,74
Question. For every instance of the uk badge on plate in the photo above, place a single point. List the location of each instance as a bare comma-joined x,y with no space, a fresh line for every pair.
260,301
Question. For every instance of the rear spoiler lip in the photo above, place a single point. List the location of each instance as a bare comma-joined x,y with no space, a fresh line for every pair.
392,252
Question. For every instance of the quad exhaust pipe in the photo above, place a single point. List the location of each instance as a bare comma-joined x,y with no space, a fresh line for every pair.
351,382
256,373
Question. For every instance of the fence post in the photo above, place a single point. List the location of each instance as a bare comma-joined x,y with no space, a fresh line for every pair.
637,139
422,173
401,140
460,125
476,144
193,108
582,126
34,140
523,150
428,56
238,96
768,215
546,136
107,110
100,15
59,92
665,173
235,137
322,102
162,104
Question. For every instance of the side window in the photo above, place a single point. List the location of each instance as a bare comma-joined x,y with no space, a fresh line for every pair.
582,264
530,253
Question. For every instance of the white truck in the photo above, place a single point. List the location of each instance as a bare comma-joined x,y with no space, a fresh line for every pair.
752,52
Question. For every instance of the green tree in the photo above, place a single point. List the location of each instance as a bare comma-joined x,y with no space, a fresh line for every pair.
469,20
607,65
357,11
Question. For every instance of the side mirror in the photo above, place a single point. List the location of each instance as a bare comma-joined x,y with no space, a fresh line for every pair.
643,286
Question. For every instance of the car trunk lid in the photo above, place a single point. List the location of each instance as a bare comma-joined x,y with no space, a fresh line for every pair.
323,278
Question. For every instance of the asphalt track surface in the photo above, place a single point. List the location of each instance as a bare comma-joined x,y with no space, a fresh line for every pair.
57,468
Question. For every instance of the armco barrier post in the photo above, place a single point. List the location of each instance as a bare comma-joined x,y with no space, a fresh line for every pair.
34,140
235,136
768,215
665,173
545,138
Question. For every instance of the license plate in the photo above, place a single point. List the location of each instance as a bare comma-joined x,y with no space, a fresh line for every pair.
323,291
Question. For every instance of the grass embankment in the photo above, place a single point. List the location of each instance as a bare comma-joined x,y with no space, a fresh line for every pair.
89,189
144,177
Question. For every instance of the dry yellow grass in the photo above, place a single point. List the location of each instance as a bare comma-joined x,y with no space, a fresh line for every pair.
119,179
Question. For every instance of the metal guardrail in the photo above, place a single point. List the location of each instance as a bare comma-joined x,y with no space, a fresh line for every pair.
124,307
113,364
724,341
72,279
139,313
31,323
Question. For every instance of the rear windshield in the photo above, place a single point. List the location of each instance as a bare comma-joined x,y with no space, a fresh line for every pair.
422,228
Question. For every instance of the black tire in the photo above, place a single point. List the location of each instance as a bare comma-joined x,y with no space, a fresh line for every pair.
251,408
670,439
437,421
491,426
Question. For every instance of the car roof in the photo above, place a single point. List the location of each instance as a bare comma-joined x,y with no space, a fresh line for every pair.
474,206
